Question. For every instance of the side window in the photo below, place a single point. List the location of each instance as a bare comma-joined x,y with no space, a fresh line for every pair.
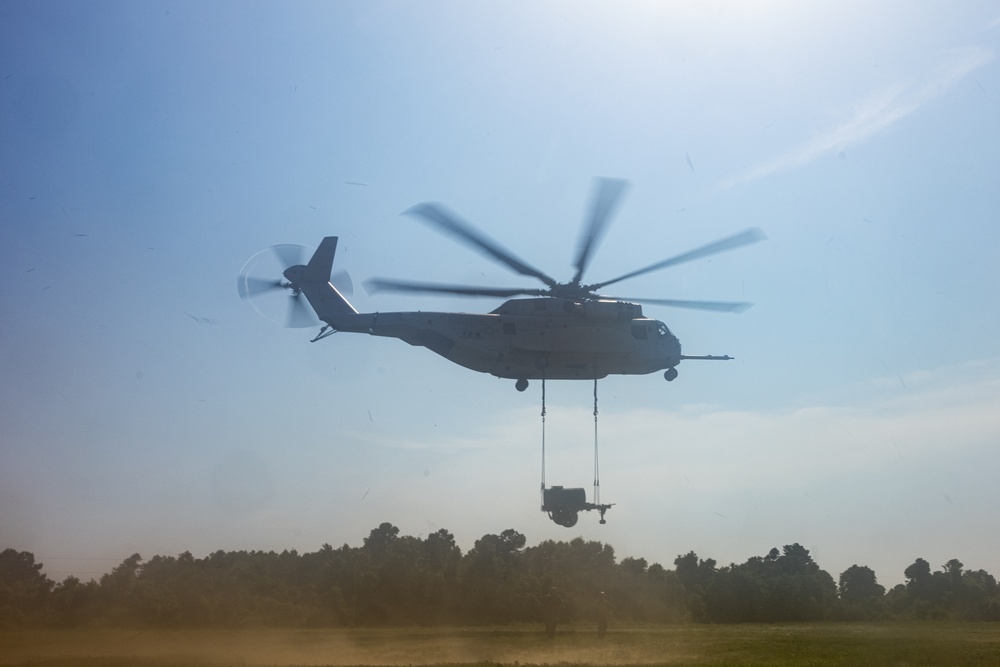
639,331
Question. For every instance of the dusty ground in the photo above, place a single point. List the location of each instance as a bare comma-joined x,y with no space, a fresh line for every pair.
820,644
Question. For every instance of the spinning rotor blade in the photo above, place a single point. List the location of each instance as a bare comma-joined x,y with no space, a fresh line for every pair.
743,238
443,219
257,287
718,306
290,255
299,314
378,285
286,254
249,287
606,198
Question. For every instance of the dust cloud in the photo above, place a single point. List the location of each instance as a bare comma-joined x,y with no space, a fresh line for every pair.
395,646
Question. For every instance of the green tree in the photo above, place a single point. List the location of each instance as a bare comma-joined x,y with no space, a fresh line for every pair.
978,599
807,593
328,573
380,539
861,596
695,576
923,591
73,602
440,585
115,592
918,577
493,587
24,590
858,584
400,579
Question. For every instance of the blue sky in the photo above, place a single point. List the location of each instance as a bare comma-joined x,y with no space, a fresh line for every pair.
148,149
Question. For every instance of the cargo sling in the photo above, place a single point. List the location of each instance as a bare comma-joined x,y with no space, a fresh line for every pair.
564,520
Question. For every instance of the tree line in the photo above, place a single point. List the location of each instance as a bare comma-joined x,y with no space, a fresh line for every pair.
395,579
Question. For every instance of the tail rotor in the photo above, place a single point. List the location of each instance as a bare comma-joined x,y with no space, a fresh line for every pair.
261,282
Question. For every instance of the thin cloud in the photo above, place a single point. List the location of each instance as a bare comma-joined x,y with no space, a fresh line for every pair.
899,467
942,411
880,111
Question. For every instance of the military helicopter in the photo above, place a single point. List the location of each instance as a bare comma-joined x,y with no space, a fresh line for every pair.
565,331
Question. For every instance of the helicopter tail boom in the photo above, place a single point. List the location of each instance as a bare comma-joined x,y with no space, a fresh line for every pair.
313,280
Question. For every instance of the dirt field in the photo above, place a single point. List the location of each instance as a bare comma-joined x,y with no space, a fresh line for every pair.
818,644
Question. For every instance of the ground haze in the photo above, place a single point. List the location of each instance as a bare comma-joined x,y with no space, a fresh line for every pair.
814,644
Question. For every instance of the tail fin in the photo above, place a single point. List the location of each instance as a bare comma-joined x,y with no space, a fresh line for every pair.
314,281
321,264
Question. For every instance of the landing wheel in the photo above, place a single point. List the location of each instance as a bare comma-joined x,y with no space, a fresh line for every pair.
670,374
521,384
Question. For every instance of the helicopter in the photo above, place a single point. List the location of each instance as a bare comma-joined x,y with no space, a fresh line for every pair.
562,331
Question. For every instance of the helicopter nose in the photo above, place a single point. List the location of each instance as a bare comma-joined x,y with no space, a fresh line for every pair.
674,353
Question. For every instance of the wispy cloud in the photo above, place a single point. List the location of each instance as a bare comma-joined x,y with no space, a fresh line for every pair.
933,413
903,469
876,113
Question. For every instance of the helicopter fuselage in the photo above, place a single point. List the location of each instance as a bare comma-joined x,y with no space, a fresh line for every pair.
549,337
559,339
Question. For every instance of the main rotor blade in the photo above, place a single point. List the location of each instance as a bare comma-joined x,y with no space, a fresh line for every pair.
718,306
380,285
437,215
607,195
743,238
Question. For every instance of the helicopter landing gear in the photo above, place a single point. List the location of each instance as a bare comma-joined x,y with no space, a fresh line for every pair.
670,374
521,384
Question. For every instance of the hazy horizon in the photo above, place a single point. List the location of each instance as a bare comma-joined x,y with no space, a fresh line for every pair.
147,150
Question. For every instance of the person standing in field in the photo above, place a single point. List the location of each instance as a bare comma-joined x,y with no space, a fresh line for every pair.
552,610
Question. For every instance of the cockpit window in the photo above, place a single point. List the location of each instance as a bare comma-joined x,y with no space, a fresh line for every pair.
639,331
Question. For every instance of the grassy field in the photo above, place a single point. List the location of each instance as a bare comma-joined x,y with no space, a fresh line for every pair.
898,644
